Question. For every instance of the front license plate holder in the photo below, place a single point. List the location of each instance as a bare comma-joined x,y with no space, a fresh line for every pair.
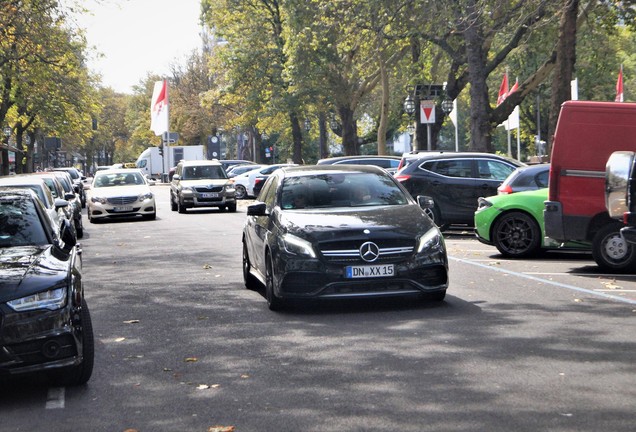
370,271
123,209
209,195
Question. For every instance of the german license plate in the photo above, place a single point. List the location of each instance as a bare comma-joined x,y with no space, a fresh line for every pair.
209,195
123,209
372,271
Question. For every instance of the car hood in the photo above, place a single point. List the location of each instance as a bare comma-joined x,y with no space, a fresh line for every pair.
26,270
117,191
386,221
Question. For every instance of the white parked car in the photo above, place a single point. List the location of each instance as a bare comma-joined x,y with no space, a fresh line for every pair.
244,183
120,193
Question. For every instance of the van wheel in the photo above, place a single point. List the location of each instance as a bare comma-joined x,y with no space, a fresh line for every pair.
610,250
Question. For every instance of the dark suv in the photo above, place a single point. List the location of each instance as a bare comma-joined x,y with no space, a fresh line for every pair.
455,181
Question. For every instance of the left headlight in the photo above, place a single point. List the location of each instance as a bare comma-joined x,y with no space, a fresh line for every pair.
100,200
229,187
145,196
51,300
297,246
432,239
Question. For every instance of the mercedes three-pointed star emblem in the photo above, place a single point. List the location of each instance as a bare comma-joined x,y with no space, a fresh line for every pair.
369,251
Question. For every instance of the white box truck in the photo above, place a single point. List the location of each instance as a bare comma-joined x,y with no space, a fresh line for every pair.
150,162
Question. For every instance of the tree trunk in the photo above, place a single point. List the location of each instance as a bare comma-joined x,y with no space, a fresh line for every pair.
480,128
322,126
349,131
297,136
564,68
384,110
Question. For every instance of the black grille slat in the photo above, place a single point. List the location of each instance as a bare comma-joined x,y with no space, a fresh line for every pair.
204,189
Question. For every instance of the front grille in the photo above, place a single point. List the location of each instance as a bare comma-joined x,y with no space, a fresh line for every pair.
204,189
349,251
122,200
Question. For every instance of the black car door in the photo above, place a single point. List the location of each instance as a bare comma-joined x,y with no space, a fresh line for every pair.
490,173
258,227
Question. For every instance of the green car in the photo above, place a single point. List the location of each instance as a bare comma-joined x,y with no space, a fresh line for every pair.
514,224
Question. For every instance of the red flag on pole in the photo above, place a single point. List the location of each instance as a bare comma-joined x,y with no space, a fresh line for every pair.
503,89
514,88
159,108
619,86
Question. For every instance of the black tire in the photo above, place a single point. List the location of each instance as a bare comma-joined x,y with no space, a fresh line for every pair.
151,216
79,227
516,235
173,205
274,302
240,193
180,207
231,208
80,374
611,252
251,282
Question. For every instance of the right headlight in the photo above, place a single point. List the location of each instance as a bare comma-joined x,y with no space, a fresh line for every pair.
51,300
432,239
97,199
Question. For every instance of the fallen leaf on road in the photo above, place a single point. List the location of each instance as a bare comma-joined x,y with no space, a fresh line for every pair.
207,266
191,359
120,339
203,387
578,300
245,376
221,429
131,322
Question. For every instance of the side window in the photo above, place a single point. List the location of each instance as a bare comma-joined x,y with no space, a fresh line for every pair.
497,170
542,179
453,168
142,163
268,195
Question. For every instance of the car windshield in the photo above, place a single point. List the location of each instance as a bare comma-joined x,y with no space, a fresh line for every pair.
342,189
118,179
20,224
203,172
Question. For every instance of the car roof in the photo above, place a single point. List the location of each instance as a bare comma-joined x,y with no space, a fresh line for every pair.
320,169
457,155
21,179
118,171
335,159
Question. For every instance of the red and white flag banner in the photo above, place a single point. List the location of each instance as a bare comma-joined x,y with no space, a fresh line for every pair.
159,108
619,86
503,90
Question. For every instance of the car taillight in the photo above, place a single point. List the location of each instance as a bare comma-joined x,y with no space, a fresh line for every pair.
504,190
402,177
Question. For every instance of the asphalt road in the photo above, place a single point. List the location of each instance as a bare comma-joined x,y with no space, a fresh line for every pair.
181,345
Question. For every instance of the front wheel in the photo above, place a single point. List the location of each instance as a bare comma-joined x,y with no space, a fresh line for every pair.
516,235
173,205
610,250
231,208
274,302
180,207
240,192
80,374
250,281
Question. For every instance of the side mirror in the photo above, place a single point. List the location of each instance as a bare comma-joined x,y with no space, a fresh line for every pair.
60,203
425,202
69,196
67,236
618,174
258,209
176,177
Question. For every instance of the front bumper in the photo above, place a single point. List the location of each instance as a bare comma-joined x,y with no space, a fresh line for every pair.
38,340
196,200
99,210
312,278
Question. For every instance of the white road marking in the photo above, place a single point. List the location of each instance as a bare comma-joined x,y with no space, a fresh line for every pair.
545,281
55,398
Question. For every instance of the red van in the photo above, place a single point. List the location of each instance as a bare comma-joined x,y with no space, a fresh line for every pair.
587,133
